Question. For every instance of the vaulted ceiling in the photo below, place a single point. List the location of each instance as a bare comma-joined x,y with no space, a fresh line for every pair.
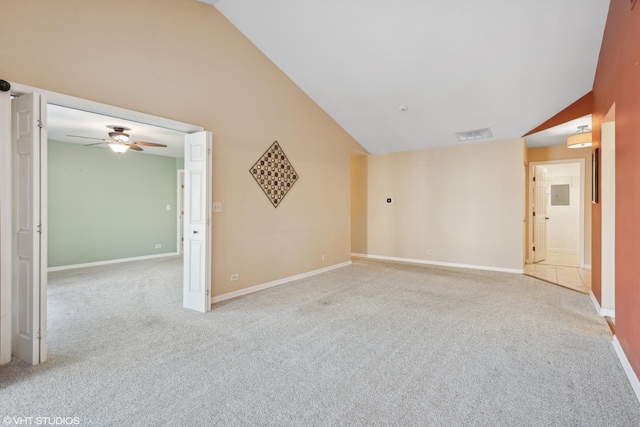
507,65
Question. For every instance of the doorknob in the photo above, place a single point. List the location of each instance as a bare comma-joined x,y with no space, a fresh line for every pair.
196,231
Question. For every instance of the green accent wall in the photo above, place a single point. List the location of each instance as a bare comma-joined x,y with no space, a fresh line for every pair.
104,206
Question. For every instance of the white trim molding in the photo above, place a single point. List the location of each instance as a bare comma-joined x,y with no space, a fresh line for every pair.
439,263
609,313
631,375
110,261
6,226
601,311
105,109
595,302
586,266
564,250
267,285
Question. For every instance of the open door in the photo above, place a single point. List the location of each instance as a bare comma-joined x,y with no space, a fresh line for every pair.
29,296
540,214
197,221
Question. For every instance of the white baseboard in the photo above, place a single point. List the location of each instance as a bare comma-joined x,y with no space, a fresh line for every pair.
110,261
631,375
586,266
595,302
267,285
443,264
563,250
605,312
601,311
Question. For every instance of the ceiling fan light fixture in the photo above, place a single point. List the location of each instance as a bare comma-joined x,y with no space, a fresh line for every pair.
583,138
119,136
119,148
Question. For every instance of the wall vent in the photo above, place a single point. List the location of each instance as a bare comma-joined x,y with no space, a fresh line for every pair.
470,135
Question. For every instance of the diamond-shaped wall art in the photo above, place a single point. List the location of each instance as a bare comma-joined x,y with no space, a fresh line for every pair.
274,174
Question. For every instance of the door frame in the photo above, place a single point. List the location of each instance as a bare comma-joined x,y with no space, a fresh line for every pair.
530,207
607,200
6,227
539,213
180,209
7,178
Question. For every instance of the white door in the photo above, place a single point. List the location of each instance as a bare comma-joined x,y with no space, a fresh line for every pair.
29,284
181,211
540,214
197,227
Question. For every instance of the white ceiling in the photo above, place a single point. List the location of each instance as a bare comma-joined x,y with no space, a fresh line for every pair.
457,65
63,121
557,135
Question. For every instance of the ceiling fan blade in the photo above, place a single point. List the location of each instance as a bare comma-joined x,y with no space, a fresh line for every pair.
85,137
135,147
96,143
148,144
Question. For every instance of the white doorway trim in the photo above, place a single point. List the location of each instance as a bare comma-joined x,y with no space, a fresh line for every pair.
6,179
105,109
607,200
180,210
530,210
6,227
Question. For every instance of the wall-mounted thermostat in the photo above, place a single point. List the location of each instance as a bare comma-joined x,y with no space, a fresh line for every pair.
389,200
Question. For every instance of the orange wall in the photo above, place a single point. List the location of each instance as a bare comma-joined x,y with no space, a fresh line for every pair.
618,81
580,108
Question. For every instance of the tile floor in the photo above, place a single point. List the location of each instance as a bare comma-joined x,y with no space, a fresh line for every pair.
561,258
561,269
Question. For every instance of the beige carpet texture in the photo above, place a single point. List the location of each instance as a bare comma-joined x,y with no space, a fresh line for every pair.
370,344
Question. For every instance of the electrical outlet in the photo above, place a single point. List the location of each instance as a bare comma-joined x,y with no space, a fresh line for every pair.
217,207
325,257
235,277
158,246
431,252
168,207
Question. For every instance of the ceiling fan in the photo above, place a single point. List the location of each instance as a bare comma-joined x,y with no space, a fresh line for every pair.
118,140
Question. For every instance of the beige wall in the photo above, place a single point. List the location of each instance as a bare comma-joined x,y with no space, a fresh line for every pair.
359,194
465,203
184,61
561,152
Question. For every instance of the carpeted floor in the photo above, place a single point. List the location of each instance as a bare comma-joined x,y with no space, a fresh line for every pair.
370,344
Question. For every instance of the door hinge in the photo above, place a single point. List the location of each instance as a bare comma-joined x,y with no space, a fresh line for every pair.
207,292
40,125
534,214
208,150
182,186
208,220
39,228
534,249
38,334
534,179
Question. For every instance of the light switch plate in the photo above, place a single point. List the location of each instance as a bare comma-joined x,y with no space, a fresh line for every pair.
217,207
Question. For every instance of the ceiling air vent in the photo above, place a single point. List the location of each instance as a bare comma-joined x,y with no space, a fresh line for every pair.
470,135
